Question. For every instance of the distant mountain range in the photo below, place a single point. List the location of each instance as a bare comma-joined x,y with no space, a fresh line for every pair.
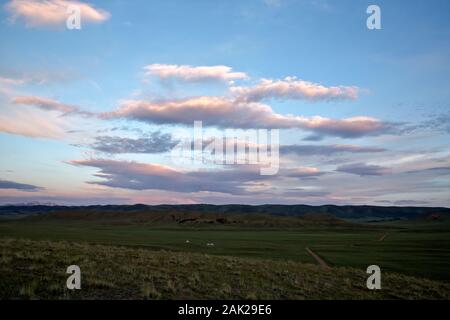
30,204
343,212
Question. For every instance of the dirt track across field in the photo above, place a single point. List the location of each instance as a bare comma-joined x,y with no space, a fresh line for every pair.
383,237
319,260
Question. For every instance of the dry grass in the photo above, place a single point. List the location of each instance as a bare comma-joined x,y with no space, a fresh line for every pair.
36,270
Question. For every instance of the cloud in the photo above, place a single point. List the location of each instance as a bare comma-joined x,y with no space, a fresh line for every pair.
36,124
403,202
436,170
409,202
299,192
40,76
193,74
313,137
363,169
303,172
326,150
38,13
140,176
45,118
44,104
4,184
56,199
225,113
11,81
436,122
49,105
293,88
155,143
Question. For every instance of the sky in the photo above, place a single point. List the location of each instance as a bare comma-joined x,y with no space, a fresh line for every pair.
92,115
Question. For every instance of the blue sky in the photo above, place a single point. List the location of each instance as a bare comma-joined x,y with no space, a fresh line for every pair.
401,76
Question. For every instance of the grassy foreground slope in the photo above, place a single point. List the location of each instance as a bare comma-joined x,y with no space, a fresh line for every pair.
36,270
415,248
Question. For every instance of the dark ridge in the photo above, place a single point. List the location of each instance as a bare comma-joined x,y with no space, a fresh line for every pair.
345,212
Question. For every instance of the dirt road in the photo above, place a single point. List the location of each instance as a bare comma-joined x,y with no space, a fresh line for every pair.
319,260
383,237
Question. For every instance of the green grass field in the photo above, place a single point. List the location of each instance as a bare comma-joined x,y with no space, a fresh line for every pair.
416,249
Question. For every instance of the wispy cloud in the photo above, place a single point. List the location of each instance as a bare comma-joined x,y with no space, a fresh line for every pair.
11,81
33,124
44,104
49,105
38,76
38,13
45,118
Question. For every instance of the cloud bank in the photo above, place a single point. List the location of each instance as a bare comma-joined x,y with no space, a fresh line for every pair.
143,176
226,113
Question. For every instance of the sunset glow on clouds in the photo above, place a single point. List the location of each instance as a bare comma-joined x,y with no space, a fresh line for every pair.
87,116
36,13
292,88
191,73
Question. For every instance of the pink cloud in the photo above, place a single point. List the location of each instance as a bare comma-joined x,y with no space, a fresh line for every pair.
40,118
304,172
148,176
38,13
11,81
293,88
191,73
50,105
33,124
224,112
44,103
